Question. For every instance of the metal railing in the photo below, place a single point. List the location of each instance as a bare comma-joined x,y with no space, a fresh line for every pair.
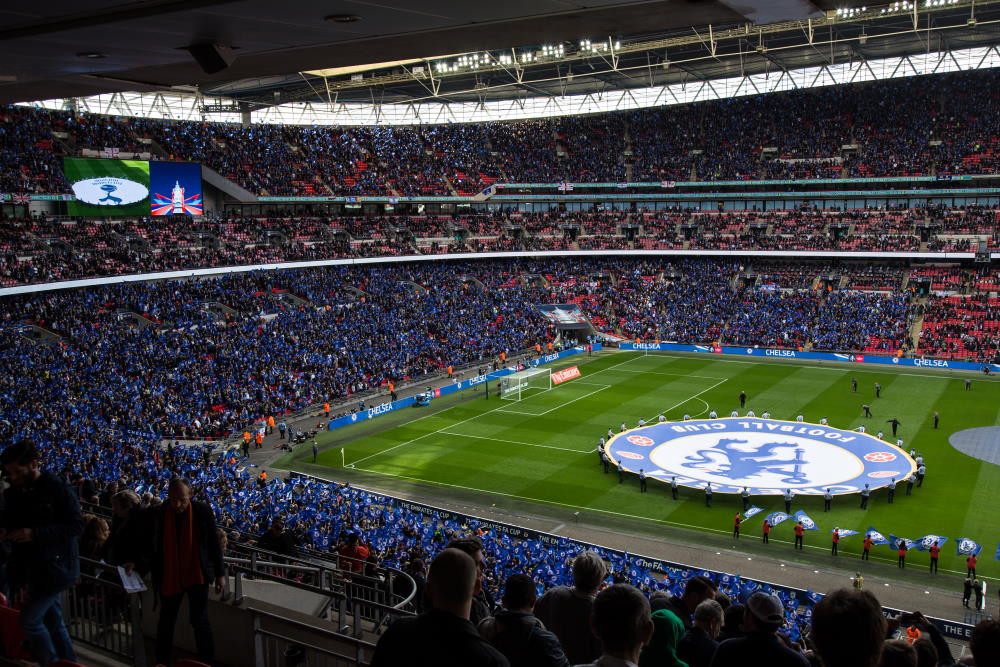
99,612
352,601
283,642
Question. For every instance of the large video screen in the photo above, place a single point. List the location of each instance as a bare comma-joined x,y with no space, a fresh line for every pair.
133,187
175,188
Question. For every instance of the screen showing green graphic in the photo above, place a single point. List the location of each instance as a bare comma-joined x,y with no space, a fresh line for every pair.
108,187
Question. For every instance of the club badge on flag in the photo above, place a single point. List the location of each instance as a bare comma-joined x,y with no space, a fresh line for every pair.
846,533
753,510
927,541
807,523
876,537
775,518
967,547
895,540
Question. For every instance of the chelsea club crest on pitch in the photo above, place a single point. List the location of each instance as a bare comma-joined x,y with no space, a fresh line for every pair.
765,455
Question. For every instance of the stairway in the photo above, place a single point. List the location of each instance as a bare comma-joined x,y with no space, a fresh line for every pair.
918,324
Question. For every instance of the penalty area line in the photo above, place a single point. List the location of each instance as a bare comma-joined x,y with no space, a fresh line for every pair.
421,437
558,407
518,442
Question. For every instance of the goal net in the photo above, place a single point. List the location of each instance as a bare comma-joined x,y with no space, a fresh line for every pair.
523,384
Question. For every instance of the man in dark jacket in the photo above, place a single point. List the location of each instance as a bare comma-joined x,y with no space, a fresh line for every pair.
443,636
185,557
763,617
699,643
517,633
43,522
277,539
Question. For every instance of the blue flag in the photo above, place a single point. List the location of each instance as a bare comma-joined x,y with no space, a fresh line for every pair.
894,541
997,556
927,541
877,537
846,532
774,518
966,547
807,523
752,511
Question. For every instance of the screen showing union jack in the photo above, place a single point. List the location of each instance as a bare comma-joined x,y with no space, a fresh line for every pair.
175,188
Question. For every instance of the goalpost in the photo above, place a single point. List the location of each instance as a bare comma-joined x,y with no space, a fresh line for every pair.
523,384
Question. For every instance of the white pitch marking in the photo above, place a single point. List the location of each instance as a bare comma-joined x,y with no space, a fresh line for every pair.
558,407
421,437
516,442
691,398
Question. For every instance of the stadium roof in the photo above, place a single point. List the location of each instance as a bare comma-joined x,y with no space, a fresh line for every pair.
64,48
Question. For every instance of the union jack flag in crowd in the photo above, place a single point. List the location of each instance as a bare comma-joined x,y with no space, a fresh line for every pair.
21,199
565,187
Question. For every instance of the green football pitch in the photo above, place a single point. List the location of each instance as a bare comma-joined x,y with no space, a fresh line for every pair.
542,449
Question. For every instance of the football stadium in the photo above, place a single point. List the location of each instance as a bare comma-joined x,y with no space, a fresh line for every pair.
622,333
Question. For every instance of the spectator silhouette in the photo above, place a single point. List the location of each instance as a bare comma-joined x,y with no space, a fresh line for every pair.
566,610
442,636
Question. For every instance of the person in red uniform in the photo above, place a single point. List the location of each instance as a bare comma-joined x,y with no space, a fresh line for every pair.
970,564
866,552
901,551
736,526
835,541
799,532
767,531
353,554
935,552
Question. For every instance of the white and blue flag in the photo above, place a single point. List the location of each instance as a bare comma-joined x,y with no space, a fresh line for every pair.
774,518
846,533
895,540
966,547
877,537
927,541
807,523
753,510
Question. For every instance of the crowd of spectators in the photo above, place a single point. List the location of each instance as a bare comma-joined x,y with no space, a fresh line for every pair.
47,250
949,126
492,598
206,357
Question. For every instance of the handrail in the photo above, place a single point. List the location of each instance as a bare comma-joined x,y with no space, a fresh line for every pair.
238,596
320,645
94,607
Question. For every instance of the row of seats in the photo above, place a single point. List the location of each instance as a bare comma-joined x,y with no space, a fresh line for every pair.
947,125
46,250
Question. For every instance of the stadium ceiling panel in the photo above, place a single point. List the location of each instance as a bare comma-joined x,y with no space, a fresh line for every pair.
64,48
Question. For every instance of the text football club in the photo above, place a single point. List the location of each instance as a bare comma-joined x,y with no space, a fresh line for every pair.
767,456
